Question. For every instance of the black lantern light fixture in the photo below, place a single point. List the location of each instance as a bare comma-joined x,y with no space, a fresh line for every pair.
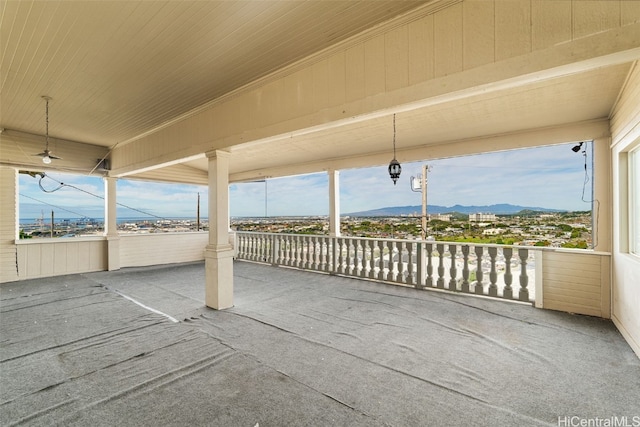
394,165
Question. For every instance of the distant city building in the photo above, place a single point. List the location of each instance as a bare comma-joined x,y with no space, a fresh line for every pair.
480,217
441,217
492,231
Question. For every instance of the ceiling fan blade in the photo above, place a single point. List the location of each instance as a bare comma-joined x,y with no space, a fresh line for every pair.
51,156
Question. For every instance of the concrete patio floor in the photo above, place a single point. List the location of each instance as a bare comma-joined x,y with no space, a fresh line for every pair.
138,347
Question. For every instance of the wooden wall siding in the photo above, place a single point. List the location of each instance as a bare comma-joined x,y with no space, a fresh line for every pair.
350,79
625,133
626,113
18,148
153,249
577,283
57,257
8,204
177,173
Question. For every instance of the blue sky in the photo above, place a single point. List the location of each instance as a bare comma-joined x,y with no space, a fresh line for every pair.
548,177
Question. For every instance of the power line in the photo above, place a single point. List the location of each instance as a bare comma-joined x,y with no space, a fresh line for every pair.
54,206
62,184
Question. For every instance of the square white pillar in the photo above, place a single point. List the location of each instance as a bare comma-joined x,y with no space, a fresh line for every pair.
111,224
219,252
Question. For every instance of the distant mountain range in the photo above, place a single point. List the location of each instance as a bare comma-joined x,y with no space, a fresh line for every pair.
499,209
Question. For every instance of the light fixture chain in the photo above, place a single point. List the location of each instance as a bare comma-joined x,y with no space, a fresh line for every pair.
394,136
47,125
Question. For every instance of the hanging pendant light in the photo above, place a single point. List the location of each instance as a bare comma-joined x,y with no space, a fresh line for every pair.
394,166
47,155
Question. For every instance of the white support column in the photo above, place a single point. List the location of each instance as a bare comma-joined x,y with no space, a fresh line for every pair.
219,252
9,224
334,203
111,224
602,200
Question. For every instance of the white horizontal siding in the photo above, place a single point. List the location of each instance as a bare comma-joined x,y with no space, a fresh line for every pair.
626,113
56,257
139,250
576,282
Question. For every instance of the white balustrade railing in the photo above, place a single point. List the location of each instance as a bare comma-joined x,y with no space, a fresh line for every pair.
490,270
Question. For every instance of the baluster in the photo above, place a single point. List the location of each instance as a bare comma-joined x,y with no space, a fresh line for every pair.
304,251
429,247
330,254
381,246
391,271
317,247
493,275
325,253
340,255
524,279
354,257
401,269
508,277
284,250
440,249
315,260
420,266
250,247
389,260
478,287
255,247
453,272
275,249
362,263
307,253
336,261
465,268
372,260
289,250
264,239
239,245
299,252
292,251
347,265
411,277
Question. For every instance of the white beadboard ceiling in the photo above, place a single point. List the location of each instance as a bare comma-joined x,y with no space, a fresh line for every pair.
119,69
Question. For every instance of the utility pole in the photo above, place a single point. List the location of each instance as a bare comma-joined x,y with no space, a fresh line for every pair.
423,190
423,187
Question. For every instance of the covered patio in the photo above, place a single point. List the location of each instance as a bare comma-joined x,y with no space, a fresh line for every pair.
138,347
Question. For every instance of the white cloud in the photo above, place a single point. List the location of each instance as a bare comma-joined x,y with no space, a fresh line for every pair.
548,177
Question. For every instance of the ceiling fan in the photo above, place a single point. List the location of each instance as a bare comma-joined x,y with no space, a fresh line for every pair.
47,155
